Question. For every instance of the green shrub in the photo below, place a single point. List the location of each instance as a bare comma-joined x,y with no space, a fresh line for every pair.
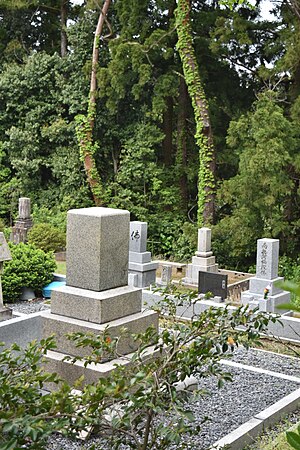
47,237
30,267
185,245
137,395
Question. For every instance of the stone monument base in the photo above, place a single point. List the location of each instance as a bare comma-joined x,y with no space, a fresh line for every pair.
269,304
199,265
145,273
5,314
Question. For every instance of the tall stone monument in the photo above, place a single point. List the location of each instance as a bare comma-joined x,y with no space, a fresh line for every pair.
140,262
262,290
203,260
97,295
5,313
23,223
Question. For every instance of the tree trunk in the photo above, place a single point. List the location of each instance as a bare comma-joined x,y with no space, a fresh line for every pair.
85,124
63,23
203,136
181,155
167,144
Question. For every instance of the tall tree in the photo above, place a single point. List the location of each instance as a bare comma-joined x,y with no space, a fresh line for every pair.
203,136
86,123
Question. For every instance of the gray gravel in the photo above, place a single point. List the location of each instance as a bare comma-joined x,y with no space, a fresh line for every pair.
267,360
227,408
31,306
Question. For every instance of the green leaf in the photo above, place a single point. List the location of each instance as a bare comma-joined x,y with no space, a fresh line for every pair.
293,439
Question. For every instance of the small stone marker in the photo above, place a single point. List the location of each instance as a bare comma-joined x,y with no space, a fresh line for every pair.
203,261
23,223
5,255
262,290
140,262
166,274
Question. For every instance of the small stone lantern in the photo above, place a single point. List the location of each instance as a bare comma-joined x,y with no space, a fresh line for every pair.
5,313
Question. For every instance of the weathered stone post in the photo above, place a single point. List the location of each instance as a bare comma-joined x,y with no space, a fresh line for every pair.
5,313
23,223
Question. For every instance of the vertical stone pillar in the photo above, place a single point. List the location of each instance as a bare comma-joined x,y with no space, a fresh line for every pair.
139,259
23,223
267,258
203,261
5,255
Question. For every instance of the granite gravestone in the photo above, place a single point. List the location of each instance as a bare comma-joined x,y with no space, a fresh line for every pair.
203,259
140,263
97,297
265,279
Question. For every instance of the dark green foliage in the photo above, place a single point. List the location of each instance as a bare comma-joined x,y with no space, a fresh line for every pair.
47,237
185,242
30,267
27,418
293,438
136,395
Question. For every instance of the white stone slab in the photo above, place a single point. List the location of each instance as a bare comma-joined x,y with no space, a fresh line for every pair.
138,237
267,258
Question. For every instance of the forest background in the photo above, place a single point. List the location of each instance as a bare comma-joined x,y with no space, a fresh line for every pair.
145,128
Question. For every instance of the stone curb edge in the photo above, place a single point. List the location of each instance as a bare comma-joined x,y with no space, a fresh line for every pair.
246,433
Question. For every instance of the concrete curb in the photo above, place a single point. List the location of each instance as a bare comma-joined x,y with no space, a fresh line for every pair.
246,433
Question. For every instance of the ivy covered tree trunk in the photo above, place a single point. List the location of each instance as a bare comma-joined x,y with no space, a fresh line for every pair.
63,22
181,154
85,124
203,136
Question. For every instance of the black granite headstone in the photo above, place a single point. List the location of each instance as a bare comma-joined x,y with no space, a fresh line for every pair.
215,283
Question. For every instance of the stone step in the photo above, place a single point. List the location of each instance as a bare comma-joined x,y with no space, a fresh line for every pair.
70,372
61,325
97,307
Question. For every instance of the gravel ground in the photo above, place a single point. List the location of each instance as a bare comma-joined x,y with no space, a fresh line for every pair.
31,306
267,360
227,408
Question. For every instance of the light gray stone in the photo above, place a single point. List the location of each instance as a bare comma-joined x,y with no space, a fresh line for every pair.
97,307
166,274
97,248
60,326
133,279
91,372
204,240
24,208
257,285
204,262
267,258
5,313
5,254
142,267
140,258
145,279
138,237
